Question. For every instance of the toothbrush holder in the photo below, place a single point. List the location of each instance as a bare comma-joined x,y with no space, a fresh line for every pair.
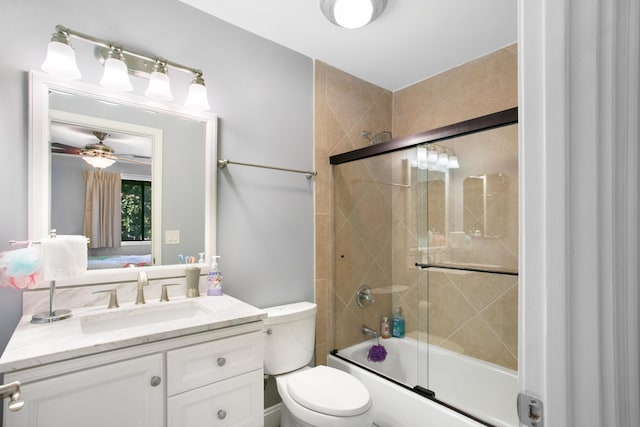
193,280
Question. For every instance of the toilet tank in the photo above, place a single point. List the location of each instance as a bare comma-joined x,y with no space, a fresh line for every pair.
289,337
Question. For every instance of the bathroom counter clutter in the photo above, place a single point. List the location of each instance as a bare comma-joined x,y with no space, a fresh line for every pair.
94,330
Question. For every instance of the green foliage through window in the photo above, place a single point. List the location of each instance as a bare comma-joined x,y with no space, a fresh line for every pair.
136,210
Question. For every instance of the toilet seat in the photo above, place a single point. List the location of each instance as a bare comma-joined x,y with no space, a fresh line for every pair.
329,391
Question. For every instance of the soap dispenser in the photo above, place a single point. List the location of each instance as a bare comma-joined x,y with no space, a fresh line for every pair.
214,278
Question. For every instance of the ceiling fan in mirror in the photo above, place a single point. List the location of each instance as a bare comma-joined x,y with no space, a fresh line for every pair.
98,155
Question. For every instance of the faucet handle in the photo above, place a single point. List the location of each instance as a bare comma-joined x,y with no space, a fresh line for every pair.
113,299
142,281
164,295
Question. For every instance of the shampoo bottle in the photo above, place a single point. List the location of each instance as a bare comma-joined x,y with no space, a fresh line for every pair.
214,278
397,323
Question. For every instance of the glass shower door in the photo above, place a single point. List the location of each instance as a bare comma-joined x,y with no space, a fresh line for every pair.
467,228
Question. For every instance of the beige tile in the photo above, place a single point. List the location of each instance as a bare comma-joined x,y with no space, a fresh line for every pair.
502,317
478,340
481,289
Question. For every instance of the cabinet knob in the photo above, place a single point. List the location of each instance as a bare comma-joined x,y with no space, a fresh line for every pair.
222,414
155,381
221,361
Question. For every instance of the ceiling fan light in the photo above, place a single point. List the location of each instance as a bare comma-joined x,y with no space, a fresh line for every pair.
99,161
60,61
197,98
116,75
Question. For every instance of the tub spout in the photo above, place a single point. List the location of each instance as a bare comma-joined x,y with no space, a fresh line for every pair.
369,331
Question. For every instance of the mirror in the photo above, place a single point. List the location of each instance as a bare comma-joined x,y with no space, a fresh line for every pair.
484,205
180,147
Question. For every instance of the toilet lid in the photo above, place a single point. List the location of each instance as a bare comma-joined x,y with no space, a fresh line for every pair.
329,391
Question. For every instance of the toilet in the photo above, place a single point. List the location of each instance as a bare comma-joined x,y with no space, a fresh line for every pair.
311,397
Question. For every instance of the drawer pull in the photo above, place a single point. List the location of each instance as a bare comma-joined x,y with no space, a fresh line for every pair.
155,381
222,414
221,361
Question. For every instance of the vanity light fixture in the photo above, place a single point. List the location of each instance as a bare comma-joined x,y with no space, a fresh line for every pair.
436,158
453,162
119,62
443,159
159,85
61,58
197,97
352,13
116,75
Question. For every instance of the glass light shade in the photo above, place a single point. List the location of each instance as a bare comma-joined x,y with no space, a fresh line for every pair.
443,159
422,158
159,87
98,161
453,162
353,13
116,75
61,62
432,158
197,97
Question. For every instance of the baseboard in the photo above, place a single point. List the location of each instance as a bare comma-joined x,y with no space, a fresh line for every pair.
272,416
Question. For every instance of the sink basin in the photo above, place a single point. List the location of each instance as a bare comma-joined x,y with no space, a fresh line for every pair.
142,316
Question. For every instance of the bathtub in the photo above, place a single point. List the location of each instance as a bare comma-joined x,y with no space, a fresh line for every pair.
485,390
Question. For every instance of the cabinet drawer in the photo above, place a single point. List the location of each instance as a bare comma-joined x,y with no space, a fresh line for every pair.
235,402
202,364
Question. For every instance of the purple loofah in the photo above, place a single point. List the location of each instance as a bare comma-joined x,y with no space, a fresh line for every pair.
377,353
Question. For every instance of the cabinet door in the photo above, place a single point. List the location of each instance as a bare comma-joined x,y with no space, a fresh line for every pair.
120,394
235,402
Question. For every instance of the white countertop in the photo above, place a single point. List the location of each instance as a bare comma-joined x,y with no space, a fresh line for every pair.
37,344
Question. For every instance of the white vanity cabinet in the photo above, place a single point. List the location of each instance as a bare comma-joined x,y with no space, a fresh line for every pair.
118,394
210,378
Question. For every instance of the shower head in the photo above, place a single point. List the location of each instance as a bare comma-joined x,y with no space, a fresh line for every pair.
377,138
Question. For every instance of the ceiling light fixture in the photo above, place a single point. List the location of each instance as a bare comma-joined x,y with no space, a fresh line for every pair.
352,13
98,155
119,62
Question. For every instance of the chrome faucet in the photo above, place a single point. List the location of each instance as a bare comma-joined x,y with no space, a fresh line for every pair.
142,282
368,331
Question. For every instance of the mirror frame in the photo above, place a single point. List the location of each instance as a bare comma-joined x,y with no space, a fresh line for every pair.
39,170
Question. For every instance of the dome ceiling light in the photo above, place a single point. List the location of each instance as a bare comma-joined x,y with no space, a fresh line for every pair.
352,13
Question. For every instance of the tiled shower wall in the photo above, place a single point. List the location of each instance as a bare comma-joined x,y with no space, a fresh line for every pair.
344,107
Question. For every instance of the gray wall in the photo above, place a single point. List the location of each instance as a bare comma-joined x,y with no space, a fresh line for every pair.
262,94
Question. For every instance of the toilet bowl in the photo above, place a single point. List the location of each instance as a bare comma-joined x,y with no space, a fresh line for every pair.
312,397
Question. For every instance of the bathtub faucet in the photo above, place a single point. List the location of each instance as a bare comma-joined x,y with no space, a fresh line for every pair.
368,331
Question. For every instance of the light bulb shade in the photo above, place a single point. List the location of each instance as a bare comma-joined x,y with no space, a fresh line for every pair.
443,159
99,161
421,158
116,75
197,97
453,162
352,13
61,62
159,87
432,158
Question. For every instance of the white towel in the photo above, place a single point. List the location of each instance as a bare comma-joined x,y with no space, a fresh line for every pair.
63,257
